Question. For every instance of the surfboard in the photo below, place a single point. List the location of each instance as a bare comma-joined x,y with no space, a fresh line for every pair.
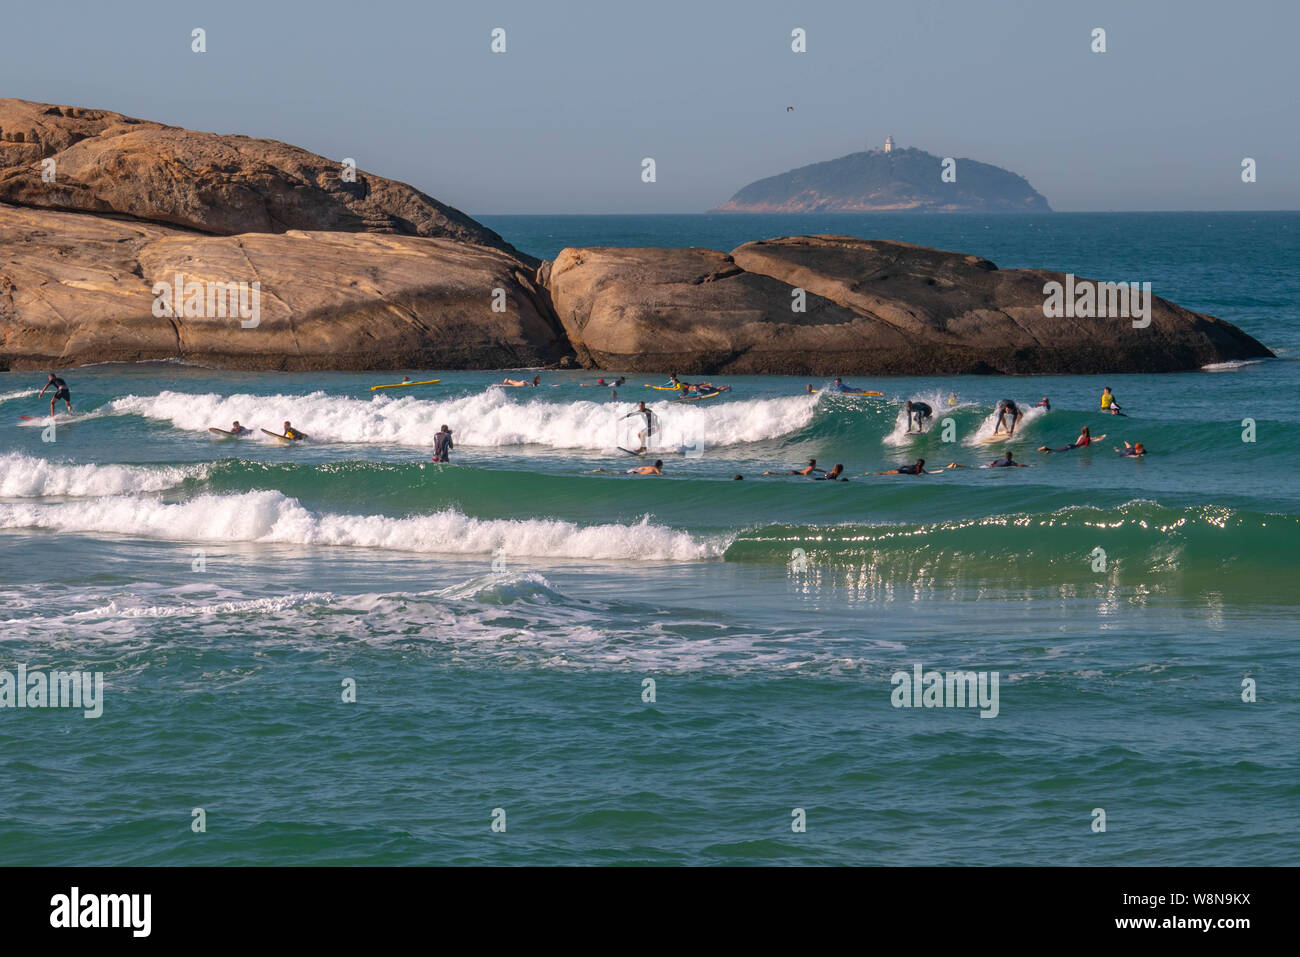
663,388
225,433
1000,437
630,452
696,398
403,385
59,419
848,392
282,438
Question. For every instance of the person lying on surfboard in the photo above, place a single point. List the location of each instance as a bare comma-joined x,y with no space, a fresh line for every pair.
834,475
60,392
1136,450
237,429
808,469
537,380
289,432
656,469
917,469
1006,462
1085,438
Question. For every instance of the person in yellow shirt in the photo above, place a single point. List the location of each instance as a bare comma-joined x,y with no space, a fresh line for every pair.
1108,403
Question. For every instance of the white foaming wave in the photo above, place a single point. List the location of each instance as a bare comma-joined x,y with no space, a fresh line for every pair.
22,476
272,518
493,418
26,393
938,402
1031,415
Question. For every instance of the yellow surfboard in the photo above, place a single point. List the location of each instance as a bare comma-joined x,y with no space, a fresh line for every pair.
401,385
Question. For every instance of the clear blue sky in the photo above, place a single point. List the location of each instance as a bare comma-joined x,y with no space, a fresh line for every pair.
561,121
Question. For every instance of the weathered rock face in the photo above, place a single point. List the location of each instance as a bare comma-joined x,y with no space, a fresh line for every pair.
105,162
873,307
695,311
76,288
375,274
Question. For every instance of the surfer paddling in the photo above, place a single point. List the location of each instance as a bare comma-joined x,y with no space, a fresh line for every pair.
293,434
808,469
518,383
656,469
917,469
1085,439
60,392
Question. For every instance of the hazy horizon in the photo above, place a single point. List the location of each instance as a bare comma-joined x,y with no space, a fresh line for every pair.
560,122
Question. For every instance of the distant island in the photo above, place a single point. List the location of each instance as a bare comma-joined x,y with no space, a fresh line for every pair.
892,179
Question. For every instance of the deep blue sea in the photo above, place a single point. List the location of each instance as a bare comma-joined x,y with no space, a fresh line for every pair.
674,669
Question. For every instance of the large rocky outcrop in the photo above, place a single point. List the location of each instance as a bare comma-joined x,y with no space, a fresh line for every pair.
76,289
104,162
375,274
872,307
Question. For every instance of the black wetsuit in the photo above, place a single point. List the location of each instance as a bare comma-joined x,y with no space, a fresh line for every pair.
909,470
1002,463
922,411
61,393
442,444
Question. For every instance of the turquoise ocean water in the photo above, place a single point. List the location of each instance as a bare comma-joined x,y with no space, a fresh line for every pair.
500,616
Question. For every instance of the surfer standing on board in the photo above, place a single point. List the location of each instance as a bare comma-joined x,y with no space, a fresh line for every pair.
60,392
1007,407
644,435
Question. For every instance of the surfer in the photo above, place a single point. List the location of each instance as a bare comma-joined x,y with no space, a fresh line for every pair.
917,469
1108,403
1007,407
442,444
289,432
60,392
808,469
1136,450
644,435
656,469
516,383
237,429
833,475
952,398
1045,404
1005,462
921,411
1085,438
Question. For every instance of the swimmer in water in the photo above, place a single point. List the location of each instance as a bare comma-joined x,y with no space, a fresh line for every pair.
656,469
1136,450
